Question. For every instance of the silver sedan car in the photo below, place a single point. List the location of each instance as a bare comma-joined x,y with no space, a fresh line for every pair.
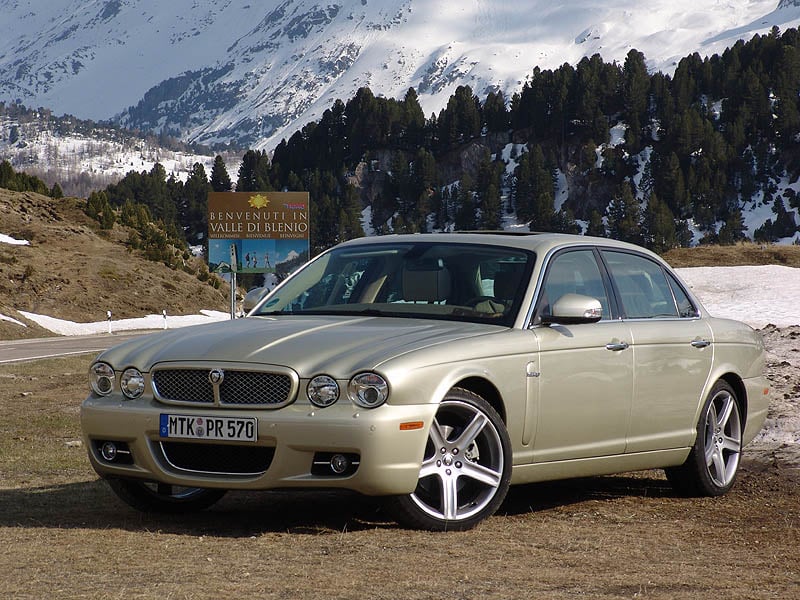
435,370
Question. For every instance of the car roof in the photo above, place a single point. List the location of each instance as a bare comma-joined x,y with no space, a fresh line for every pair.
541,243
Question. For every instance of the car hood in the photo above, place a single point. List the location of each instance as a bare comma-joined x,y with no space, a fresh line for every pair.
336,345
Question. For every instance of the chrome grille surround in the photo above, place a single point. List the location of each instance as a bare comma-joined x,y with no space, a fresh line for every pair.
232,385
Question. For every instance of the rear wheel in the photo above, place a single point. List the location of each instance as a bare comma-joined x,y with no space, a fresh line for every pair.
163,498
466,468
712,465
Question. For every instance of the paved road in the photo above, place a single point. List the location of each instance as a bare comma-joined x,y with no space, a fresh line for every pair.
33,349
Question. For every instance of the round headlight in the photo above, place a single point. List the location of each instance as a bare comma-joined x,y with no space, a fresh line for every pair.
132,383
322,390
368,390
101,378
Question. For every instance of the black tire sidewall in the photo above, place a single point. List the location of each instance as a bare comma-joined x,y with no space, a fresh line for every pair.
705,484
137,495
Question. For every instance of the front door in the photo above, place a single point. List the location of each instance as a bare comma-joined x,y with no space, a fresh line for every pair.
584,373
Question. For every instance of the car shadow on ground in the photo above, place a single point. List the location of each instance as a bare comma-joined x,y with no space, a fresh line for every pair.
537,497
91,504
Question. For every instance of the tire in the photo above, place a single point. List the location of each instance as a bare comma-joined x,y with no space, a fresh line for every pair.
163,498
713,463
466,468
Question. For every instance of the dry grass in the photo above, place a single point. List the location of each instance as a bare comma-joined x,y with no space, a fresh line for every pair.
64,535
746,253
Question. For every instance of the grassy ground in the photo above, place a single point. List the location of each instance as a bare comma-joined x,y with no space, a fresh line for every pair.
733,256
64,535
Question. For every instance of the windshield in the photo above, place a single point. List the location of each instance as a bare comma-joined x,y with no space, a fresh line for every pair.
465,282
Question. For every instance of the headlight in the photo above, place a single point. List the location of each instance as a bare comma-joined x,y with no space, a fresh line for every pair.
322,390
132,383
101,378
368,390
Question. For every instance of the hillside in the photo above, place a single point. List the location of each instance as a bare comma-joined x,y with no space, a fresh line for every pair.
72,270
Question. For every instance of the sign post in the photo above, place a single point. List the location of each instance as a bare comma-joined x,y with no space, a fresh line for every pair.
233,280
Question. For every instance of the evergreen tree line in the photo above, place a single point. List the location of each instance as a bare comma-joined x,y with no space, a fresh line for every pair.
22,182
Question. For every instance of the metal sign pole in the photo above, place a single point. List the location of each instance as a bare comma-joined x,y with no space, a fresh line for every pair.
234,267
233,294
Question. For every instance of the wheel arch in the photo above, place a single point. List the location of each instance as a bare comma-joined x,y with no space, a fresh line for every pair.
733,380
486,390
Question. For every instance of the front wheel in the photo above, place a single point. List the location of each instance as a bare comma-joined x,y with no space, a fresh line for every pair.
466,468
713,463
163,498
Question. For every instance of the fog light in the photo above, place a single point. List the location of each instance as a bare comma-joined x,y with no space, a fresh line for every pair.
339,463
108,451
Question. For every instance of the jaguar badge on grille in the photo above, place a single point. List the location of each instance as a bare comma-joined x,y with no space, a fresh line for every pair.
216,376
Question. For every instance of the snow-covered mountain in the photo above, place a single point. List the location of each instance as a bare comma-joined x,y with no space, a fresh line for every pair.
254,72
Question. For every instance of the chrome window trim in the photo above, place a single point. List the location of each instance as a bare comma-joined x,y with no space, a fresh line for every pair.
614,302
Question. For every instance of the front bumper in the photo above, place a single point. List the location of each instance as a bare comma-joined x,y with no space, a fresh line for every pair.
388,457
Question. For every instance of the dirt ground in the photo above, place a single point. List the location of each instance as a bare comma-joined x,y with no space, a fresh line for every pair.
64,535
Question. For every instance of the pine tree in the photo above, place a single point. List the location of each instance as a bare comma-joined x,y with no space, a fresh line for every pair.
733,229
543,194
624,216
523,188
596,227
465,205
495,113
254,172
220,180
659,225
194,209
636,84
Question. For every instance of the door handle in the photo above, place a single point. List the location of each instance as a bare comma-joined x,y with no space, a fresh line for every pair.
617,346
701,343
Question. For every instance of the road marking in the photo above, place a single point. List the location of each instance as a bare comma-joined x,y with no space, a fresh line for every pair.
40,356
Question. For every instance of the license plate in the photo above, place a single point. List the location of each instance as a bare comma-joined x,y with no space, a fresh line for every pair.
238,429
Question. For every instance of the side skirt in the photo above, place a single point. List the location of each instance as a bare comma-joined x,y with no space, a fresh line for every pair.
602,465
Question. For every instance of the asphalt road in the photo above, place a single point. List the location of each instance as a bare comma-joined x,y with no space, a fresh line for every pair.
33,349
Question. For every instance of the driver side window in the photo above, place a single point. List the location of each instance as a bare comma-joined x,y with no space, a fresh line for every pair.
574,272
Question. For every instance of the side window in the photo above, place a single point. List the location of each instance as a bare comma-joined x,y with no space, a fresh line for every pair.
574,272
686,309
642,285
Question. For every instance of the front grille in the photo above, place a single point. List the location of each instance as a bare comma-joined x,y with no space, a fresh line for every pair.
183,385
238,387
220,459
252,387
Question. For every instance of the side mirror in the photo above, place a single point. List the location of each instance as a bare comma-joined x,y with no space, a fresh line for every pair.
574,309
252,298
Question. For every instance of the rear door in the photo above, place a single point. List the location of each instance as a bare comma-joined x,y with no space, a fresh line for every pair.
671,350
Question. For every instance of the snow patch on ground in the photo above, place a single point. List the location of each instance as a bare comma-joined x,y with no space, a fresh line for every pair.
62,327
7,239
